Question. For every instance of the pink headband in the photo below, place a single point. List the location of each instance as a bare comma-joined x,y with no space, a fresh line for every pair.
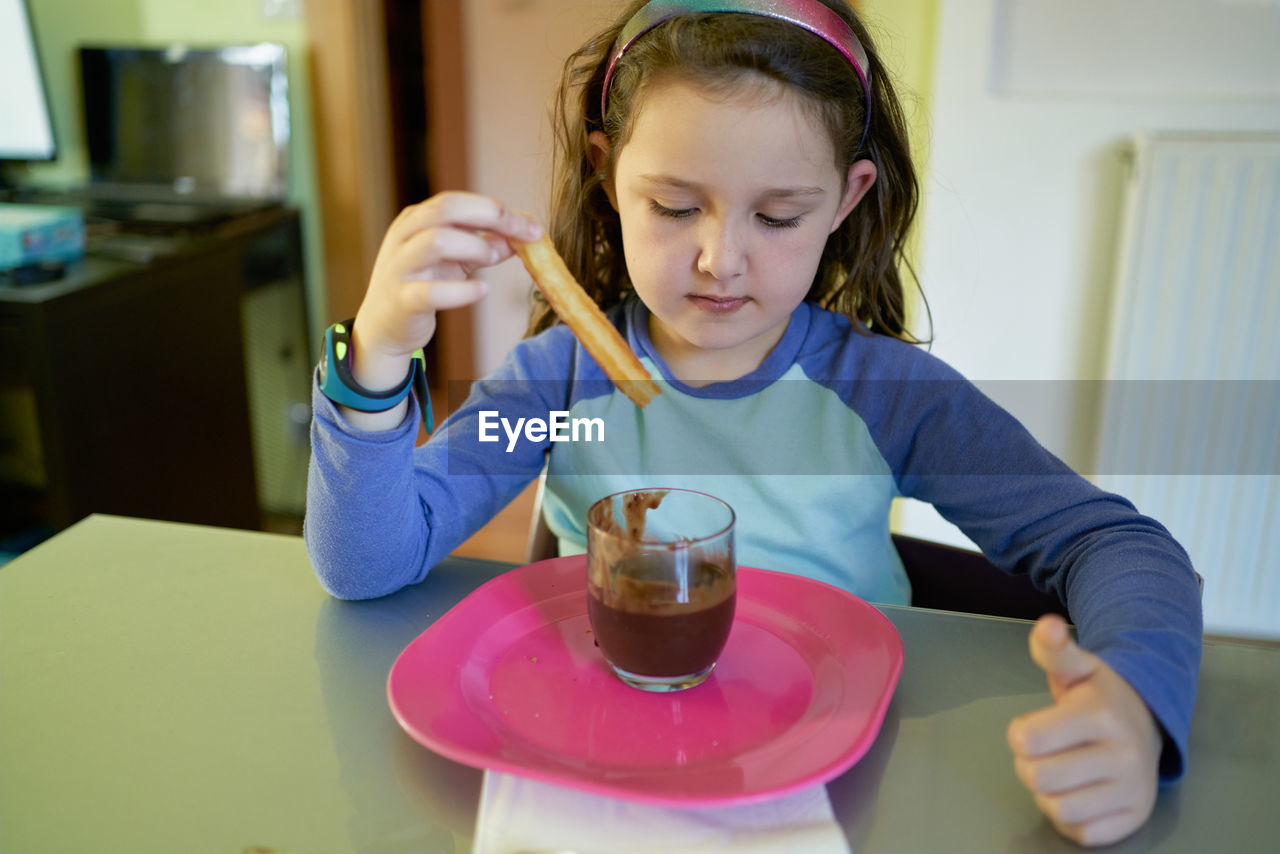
812,15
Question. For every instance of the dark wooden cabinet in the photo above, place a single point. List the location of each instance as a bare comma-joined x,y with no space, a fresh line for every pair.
135,374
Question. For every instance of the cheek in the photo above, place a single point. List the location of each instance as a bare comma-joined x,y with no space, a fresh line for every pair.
644,265
652,250
794,259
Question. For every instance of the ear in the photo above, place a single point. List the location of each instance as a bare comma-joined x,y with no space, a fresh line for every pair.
862,174
598,151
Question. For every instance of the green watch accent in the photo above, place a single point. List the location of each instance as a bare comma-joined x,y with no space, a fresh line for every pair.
337,384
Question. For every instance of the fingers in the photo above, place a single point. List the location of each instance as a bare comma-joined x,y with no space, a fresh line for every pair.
1090,816
1089,794
434,247
1094,815
1056,728
468,211
1083,805
1063,772
425,264
1107,829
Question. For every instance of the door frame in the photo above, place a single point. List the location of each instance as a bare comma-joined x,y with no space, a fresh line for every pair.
354,150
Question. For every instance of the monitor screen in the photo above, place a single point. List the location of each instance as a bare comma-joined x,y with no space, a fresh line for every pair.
200,123
26,129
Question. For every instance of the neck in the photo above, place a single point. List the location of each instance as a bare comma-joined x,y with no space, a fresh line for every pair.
697,366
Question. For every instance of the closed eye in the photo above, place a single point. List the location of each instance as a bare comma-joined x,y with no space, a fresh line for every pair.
771,222
684,213
673,213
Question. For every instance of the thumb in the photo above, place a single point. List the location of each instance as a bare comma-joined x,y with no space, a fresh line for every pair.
1061,658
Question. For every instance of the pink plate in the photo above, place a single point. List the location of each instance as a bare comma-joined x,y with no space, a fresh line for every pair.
510,679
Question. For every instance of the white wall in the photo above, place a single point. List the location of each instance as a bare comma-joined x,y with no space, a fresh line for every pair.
1024,190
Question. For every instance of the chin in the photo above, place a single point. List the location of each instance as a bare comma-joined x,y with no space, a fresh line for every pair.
725,338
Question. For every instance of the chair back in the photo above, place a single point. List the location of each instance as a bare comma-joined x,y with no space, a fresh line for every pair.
952,579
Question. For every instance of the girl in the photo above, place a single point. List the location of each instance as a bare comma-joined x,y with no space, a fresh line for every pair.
733,186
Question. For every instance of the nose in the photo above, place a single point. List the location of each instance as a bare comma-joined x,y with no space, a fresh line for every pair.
722,250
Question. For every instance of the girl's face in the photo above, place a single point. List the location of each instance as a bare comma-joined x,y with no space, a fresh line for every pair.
725,206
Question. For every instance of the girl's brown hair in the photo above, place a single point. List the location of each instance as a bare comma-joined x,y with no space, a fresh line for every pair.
858,275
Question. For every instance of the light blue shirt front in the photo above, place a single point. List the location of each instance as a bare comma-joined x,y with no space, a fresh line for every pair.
810,490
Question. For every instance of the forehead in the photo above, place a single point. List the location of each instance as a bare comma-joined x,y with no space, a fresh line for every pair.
758,130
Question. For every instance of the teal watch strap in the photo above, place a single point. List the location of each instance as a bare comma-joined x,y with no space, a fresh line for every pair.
337,384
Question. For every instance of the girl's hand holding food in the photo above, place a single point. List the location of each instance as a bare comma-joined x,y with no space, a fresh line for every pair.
425,263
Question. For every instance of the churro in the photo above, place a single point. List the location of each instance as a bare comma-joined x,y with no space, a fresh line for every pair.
585,319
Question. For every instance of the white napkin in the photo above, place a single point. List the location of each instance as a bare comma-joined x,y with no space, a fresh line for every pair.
518,814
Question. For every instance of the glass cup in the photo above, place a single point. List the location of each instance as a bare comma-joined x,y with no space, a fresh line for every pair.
661,584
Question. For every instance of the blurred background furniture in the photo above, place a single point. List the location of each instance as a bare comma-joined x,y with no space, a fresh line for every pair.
166,373
125,382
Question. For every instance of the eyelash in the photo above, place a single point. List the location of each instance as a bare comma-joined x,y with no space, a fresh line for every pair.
685,213
672,213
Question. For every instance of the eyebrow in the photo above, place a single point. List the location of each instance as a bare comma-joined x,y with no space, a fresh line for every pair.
775,193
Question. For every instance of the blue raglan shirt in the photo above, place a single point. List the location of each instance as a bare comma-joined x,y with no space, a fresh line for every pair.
809,449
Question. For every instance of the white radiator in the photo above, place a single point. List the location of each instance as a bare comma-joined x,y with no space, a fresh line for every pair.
1190,416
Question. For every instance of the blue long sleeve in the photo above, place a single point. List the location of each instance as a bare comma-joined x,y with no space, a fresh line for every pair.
381,512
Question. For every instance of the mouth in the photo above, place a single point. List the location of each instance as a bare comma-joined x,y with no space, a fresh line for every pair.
718,305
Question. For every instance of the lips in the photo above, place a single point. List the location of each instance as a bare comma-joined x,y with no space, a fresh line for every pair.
718,305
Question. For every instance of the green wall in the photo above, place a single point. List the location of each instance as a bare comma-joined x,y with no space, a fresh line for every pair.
61,25
905,34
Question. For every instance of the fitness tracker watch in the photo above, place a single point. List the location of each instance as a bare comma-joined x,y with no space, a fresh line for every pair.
337,384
